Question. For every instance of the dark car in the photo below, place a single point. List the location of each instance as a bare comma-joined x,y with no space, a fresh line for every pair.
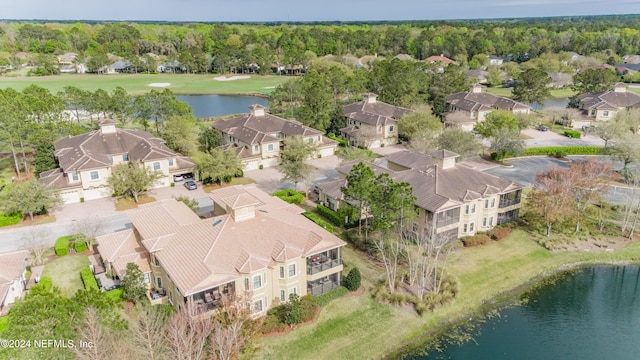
191,185
543,128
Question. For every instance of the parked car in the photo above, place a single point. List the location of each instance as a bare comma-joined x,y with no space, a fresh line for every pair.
190,185
543,128
177,178
316,189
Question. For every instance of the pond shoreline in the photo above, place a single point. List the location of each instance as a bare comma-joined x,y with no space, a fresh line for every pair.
416,345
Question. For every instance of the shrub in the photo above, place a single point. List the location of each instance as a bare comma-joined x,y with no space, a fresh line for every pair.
352,281
500,233
88,279
45,283
115,295
331,215
79,243
475,240
341,142
3,323
261,167
568,150
290,196
313,217
293,310
81,199
272,324
309,307
560,154
62,245
574,134
324,299
10,219
173,184
239,173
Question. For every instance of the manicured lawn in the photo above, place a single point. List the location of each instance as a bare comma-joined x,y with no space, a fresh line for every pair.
65,273
139,83
358,327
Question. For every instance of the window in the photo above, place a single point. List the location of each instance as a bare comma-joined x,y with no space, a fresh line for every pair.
125,157
415,227
493,202
318,138
310,140
277,135
282,296
256,148
257,306
484,221
466,209
110,159
281,272
391,128
270,147
159,282
170,162
470,209
293,291
147,278
473,208
464,228
490,220
156,165
156,260
74,176
257,282
605,113
292,270
486,204
95,175
379,128
471,227
246,284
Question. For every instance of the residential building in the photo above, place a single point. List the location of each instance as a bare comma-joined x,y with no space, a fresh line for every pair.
603,106
476,104
441,61
372,123
85,161
452,200
258,137
495,60
256,246
12,277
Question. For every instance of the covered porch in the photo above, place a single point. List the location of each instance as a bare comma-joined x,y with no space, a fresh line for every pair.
323,285
323,261
213,298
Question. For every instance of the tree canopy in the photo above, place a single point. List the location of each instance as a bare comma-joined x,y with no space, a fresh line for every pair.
132,179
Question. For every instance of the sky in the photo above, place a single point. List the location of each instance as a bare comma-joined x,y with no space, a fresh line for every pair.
304,10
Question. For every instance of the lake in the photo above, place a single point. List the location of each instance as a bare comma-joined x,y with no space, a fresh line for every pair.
549,103
592,313
205,106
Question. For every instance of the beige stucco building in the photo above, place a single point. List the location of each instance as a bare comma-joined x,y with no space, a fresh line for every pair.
85,161
12,277
256,246
603,106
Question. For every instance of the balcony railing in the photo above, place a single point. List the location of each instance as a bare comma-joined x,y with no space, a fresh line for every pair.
442,222
315,268
157,297
322,288
508,202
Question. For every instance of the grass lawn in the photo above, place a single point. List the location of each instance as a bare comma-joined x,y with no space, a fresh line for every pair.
6,170
235,181
139,83
358,327
126,204
65,273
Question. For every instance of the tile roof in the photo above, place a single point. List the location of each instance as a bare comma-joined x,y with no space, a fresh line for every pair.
121,248
374,112
92,150
610,100
12,265
203,253
483,101
410,159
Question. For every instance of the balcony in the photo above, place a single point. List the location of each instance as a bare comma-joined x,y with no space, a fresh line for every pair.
157,297
211,299
509,199
323,286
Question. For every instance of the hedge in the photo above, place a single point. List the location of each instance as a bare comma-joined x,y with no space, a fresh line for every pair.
88,279
10,219
313,217
3,323
341,142
574,134
115,295
62,245
290,196
331,215
475,240
326,298
560,151
79,243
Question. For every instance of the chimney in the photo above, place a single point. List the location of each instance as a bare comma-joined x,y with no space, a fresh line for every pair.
107,126
476,88
370,98
620,88
445,159
257,110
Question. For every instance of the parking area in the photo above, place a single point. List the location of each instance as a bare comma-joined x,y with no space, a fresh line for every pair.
550,138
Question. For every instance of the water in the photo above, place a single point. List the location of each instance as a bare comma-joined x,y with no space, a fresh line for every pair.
205,106
593,313
549,103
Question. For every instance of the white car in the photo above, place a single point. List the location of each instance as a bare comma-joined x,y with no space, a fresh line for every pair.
177,178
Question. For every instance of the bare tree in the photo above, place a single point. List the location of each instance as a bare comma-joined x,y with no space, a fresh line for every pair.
551,198
233,328
187,333
89,227
592,180
95,339
36,245
147,337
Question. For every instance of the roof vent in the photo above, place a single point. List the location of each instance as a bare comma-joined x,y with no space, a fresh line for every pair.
217,222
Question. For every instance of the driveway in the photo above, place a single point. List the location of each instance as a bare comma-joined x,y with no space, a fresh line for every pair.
549,138
524,172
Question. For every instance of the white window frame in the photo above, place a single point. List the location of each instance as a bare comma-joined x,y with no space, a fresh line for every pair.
257,306
283,296
270,147
493,202
147,278
74,176
96,173
289,267
484,221
471,227
259,278
391,128
281,272
293,290
156,165
171,162
490,220
256,148
125,157
159,282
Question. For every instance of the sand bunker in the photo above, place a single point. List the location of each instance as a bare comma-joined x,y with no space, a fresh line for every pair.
159,84
231,78
269,87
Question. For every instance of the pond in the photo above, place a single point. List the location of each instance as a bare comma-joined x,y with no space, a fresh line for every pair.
205,106
592,313
549,103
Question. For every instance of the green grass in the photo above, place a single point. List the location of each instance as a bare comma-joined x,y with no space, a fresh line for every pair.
359,327
6,170
65,273
139,83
